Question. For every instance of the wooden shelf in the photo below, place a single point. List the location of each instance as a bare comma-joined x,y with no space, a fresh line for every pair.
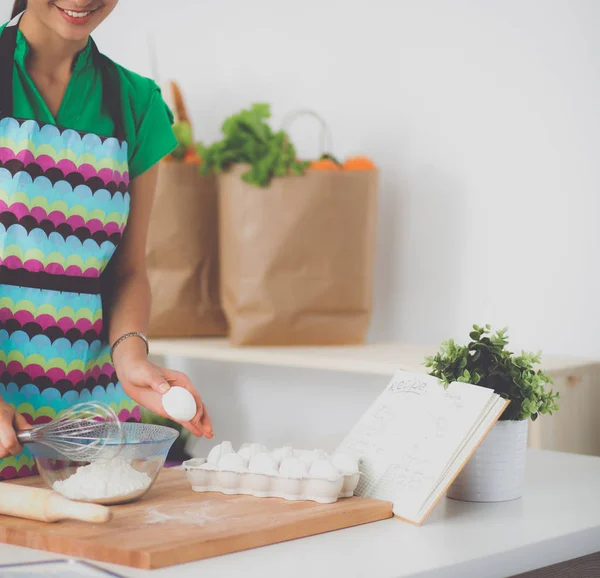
376,358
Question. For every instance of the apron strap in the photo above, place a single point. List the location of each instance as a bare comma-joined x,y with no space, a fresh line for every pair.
111,93
8,43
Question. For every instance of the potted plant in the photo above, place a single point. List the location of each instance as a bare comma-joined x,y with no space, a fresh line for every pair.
496,470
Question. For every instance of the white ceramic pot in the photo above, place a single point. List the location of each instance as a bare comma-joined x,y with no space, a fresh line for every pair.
496,471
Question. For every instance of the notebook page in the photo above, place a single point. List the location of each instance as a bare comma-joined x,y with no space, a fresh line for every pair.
494,411
491,405
407,438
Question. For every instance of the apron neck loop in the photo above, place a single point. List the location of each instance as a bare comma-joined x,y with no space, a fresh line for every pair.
15,21
111,94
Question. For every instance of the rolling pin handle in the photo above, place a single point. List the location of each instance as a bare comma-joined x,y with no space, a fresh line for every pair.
47,506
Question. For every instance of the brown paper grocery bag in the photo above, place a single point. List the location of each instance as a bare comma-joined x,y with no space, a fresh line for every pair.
182,254
297,257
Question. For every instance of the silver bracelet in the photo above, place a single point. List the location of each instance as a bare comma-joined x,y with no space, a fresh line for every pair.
127,336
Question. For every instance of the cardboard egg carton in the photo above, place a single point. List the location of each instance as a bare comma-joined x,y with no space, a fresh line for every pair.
281,473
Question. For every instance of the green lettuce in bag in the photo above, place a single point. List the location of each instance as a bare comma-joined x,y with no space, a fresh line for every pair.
248,139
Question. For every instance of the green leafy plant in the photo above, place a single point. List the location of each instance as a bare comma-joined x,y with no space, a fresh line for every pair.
487,362
177,453
248,139
185,139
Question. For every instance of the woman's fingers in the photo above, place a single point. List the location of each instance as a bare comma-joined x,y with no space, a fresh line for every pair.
194,429
201,422
21,423
8,437
206,424
157,381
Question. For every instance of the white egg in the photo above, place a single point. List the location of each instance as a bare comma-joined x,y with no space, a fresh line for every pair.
310,456
324,470
250,450
281,454
233,463
321,455
180,404
262,464
219,451
293,468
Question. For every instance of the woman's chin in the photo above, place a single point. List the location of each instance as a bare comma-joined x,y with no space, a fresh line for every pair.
73,33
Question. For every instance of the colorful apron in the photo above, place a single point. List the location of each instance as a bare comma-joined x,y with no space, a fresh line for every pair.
64,203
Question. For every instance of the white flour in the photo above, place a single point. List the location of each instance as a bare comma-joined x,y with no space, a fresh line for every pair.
194,513
103,479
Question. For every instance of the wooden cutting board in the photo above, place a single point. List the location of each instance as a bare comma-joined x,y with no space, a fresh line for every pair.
172,525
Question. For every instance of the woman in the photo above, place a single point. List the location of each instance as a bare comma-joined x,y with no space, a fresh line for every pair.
80,139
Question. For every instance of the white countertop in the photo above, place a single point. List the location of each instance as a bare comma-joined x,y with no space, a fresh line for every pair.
375,358
558,519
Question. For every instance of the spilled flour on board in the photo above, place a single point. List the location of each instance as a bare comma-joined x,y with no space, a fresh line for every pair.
193,513
201,514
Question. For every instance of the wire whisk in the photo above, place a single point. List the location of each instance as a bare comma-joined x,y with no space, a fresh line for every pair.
86,432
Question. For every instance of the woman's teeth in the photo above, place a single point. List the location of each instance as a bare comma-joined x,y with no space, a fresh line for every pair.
76,14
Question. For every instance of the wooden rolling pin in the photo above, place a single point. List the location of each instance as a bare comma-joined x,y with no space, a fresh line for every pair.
47,506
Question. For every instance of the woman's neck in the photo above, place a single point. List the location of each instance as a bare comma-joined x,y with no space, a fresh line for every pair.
50,54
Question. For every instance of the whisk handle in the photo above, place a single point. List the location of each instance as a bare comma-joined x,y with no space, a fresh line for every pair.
25,436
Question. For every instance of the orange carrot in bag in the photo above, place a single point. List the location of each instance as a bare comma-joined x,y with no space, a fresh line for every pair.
359,164
191,156
327,162
179,109
324,165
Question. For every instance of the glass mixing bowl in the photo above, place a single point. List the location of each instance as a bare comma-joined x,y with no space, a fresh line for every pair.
126,474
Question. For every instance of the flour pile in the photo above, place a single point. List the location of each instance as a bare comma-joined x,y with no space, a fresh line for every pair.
103,479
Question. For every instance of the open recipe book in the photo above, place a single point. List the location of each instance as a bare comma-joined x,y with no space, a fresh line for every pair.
415,439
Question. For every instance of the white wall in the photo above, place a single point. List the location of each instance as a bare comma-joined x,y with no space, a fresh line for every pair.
275,406
482,114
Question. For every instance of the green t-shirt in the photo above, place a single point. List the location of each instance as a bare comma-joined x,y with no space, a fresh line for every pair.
146,117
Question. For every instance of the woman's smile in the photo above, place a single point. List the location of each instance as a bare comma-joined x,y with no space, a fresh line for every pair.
78,17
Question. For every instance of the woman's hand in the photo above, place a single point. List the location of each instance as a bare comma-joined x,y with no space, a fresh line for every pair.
10,421
146,383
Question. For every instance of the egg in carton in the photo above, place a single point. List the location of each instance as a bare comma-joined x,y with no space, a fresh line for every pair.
282,473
